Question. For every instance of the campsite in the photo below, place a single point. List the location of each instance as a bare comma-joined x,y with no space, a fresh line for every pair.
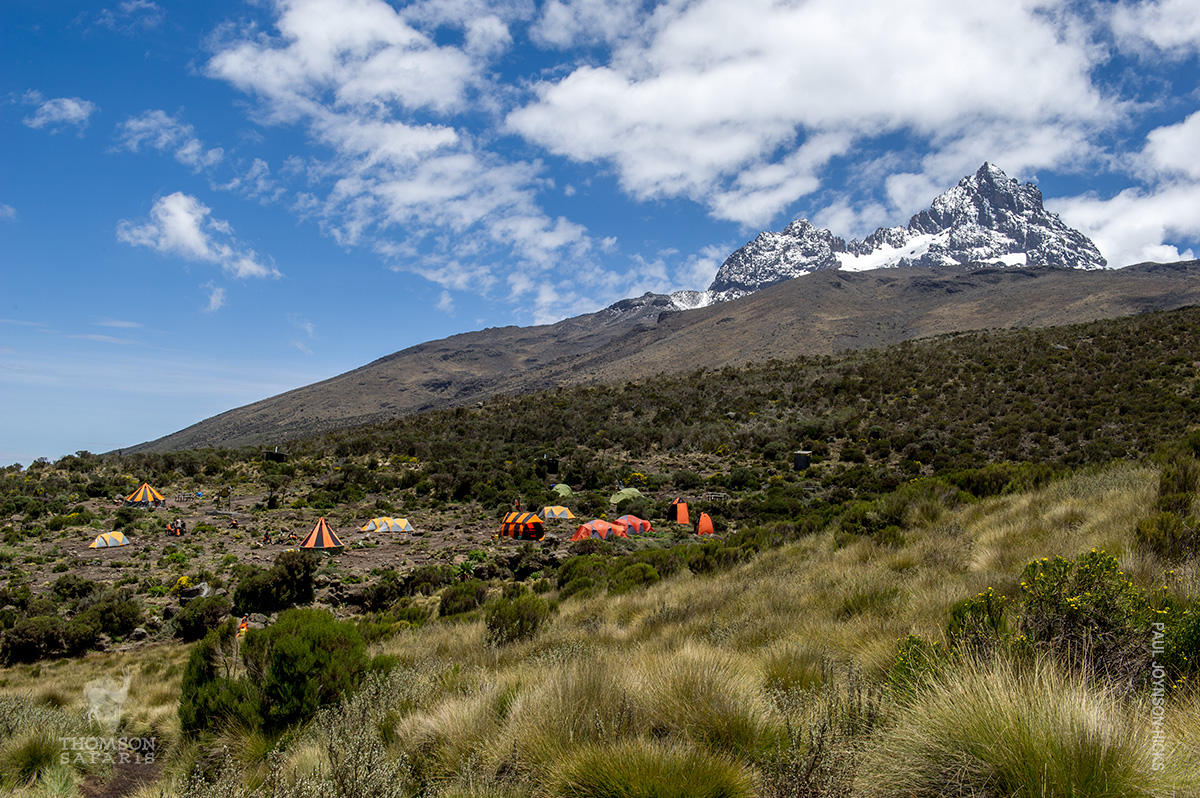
823,581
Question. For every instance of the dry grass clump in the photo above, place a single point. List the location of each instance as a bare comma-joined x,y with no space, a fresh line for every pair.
649,769
1001,729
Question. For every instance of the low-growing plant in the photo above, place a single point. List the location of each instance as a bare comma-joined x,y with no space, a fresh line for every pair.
509,619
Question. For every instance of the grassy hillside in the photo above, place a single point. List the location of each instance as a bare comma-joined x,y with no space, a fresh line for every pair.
977,589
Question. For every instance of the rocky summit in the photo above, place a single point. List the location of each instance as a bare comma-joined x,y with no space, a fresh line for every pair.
988,219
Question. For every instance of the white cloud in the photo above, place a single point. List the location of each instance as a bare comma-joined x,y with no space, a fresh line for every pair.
368,82
1136,225
181,225
1175,149
714,100
132,16
1158,26
7,211
216,297
58,113
576,22
445,303
118,323
165,133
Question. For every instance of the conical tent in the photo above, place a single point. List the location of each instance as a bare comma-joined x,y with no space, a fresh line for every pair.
678,512
322,537
108,540
705,525
624,494
556,511
145,496
524,526
634,524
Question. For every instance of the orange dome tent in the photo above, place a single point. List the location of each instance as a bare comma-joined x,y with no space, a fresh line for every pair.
598,529
705,525
634,524
322,537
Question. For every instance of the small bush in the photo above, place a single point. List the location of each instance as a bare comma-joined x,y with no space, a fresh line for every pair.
1169,536
633,576
463,597
512,619
200,616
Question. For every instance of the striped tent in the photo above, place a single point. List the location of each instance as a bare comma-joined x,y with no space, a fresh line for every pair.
524,526
634,524
322,537
108,540
598,529
556,511
387,524
146,496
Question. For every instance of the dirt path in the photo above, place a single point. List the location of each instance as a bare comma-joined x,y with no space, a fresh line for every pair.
126,778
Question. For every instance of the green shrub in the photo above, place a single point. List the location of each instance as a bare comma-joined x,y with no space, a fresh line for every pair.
200,616
633,576
209,697
979,623
1086,611
462,597
288,583
1169,536
27,758
307,660
584,586
32,638
512,619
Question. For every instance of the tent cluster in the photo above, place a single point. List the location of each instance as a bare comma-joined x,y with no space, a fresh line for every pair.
145,496
387,524
621,528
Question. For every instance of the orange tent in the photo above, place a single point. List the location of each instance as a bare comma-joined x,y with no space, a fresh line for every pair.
634,524
322,537
523,526
678,512
598,529
704,526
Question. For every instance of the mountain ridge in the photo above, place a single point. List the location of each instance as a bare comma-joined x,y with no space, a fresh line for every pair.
822,312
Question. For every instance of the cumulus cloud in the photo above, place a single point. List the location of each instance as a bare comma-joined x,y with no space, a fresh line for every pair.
216,297
716,101
160,131
1170,27
58,113
402,176
181,225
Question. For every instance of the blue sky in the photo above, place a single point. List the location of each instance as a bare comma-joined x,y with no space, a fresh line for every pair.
204,204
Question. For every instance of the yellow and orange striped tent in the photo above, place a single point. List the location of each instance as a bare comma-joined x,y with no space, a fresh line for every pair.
322,537
145,495
524,526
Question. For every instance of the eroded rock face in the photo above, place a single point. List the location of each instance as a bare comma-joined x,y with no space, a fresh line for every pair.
987,219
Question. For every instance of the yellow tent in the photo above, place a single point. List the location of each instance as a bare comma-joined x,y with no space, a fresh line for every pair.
109,539
387,524
556,511
145,496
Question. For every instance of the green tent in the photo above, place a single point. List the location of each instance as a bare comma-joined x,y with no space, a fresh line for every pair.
624,495
562,489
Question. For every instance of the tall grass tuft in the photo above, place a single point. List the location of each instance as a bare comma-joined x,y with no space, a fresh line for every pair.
639,768
997,729
26,757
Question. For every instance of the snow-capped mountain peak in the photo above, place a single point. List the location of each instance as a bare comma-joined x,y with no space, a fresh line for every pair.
986,219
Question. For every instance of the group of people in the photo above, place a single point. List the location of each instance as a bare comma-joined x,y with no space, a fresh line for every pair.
285,536
176,527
